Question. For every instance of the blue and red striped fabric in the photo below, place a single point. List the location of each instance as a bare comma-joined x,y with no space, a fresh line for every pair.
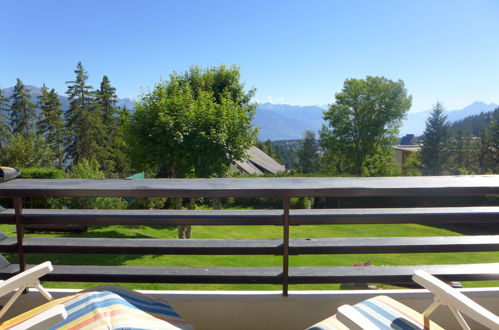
110,308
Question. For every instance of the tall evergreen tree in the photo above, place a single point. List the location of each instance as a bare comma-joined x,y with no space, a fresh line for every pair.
489,146
4,120
112,156
23,113
51,125
83,119
106,97
308,154
118,147
435,151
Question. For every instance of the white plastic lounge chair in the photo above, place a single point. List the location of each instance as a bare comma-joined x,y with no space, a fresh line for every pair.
105,306
382,312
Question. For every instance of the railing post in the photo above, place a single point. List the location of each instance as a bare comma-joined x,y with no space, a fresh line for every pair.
18,207
285,254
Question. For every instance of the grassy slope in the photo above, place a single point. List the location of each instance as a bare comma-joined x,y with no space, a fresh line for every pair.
256,261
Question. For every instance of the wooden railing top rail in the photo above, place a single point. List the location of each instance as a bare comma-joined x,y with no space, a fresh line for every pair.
255,187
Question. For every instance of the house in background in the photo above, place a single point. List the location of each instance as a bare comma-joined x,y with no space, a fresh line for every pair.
408,139
258,163
401,152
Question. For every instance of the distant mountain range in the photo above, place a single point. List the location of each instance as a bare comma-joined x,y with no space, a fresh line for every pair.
289,122
416,121
36,91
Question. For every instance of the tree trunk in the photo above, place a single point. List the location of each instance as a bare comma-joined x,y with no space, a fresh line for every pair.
217,203
184,231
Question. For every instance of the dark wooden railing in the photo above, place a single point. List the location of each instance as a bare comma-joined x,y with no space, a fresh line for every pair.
284,188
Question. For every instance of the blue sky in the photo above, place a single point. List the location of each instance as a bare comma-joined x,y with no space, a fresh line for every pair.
296,52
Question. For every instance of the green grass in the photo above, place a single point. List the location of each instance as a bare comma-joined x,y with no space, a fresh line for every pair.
205,232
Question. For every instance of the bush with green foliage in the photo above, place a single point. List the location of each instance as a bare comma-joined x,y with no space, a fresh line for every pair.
86,169
27,151
42,173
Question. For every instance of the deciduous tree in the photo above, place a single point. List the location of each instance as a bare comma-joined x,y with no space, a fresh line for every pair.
27,151
196,124
363,122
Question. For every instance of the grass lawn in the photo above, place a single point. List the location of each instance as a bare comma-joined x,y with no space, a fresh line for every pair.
205,232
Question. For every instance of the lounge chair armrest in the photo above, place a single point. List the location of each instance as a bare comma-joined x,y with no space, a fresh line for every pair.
455,299
27,278
45,319
353,319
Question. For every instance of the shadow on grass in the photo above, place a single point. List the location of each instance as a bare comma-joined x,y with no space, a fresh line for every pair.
471,229
83,259
112,232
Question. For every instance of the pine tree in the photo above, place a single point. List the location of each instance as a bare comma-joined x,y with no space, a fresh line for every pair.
51,125
112,156
4,121
434,152
106,97
83,119
308,154
489,146
22,111
118,146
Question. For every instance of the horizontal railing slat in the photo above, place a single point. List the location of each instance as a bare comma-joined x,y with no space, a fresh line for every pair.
392,274
255,187
145,217
297,246
423,215
420,215
262,275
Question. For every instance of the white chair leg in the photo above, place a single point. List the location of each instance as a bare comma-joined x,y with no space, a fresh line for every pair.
11,301
459,318
43,291
430,309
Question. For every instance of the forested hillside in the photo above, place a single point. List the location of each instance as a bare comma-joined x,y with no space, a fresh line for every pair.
475,124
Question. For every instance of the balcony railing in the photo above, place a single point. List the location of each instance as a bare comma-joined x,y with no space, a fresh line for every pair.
284,188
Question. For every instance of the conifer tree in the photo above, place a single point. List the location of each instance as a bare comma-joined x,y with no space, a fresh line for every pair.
4,120
106,97
489,146
435,151
51,125
308,154
83,119
118,147
22,111
112,157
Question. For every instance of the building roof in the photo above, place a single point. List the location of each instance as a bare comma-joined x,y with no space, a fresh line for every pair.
409,148
258,162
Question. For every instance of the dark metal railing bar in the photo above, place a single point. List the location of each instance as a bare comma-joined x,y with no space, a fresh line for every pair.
18,207
285,253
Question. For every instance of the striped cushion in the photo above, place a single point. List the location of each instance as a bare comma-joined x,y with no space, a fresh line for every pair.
385,313
331,323
109,308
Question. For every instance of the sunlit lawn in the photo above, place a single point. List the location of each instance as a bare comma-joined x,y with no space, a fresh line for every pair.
204,232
